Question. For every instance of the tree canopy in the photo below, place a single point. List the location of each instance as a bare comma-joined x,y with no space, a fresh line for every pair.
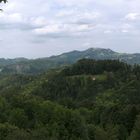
90,100
3,1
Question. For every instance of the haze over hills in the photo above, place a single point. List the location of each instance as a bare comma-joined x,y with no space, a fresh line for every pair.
33,66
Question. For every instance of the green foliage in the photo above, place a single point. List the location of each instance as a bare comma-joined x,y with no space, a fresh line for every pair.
17,117
90,100
135,135
6,129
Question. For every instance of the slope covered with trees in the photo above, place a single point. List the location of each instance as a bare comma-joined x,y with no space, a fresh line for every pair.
89,100
36,66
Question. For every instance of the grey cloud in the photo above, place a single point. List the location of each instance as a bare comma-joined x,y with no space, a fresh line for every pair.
71,24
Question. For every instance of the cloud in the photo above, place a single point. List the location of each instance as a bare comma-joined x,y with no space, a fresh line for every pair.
64,13
77,15
63,28
125,31
132,16
84,14
87,44
74,2
38,21
11,18
70,23
108,32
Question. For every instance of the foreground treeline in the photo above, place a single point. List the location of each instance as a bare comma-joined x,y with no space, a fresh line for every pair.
90,100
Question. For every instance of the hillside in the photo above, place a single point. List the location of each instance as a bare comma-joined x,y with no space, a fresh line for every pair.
27,66
89,100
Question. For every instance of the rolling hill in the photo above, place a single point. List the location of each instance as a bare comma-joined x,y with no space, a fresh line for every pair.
35,66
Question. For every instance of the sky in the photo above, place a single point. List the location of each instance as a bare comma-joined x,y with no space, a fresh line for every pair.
41,28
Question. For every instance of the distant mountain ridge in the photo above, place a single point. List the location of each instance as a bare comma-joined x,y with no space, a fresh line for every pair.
35,66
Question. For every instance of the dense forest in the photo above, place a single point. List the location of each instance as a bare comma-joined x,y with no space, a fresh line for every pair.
89,100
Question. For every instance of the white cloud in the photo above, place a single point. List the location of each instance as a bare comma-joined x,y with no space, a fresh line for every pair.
38,21
125,28
86,44
106,21
11,18
108,31
132,16
62,28
74,15
74,2
125,31
89,15
48,29
64,13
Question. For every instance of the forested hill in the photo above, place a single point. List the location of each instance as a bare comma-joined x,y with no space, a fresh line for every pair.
89,100
26,66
